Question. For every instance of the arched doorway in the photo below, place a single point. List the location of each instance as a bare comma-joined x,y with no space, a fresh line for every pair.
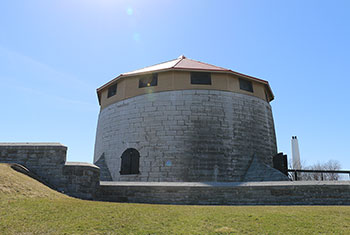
130,162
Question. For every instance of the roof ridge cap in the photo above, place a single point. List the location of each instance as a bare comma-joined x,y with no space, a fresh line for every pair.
180,59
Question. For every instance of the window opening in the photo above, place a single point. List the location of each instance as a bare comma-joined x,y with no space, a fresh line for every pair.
112,90
201,78
245,85
148,80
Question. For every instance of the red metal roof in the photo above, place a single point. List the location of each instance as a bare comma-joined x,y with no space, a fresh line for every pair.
182,63
186,63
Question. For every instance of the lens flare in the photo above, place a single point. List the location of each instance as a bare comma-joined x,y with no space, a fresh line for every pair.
150,94
129,11
136,37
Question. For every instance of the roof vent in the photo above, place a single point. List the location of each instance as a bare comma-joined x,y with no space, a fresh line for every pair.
181,57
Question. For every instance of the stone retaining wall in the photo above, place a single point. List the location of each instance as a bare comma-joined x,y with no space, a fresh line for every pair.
48,161
82,180
43,159
255,193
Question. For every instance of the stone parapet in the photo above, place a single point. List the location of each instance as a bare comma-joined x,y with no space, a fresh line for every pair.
45,163
81,179
44,159
48,161
223,193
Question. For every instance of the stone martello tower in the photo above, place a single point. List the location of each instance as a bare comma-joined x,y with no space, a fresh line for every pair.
184,120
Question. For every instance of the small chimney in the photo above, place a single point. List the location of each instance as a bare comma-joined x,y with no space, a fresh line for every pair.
295,153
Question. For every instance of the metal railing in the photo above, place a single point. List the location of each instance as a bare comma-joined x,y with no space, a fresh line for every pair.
318,171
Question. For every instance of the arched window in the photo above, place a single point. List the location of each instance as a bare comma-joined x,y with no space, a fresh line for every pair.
130,162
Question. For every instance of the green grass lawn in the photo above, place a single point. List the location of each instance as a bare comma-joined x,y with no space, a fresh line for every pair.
29,207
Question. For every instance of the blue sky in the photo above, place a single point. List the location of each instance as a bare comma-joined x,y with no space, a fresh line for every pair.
54,54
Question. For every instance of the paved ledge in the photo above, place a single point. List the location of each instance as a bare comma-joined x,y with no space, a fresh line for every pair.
81,164
222,184
31,144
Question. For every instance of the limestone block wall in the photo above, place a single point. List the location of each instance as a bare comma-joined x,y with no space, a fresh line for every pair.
81,179
253,193
43,159
48,161
187,135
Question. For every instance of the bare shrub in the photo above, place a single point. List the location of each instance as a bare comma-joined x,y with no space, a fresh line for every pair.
330,165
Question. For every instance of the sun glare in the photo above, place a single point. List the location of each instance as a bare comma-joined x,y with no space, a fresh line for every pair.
129,11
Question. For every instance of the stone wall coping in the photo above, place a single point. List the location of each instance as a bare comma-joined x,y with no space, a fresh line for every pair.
223,184
83,164
32,144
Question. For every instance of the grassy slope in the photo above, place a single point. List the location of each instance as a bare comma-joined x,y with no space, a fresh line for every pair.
15,185
27,206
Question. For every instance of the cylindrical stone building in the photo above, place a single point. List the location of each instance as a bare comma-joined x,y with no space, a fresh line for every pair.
184,120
